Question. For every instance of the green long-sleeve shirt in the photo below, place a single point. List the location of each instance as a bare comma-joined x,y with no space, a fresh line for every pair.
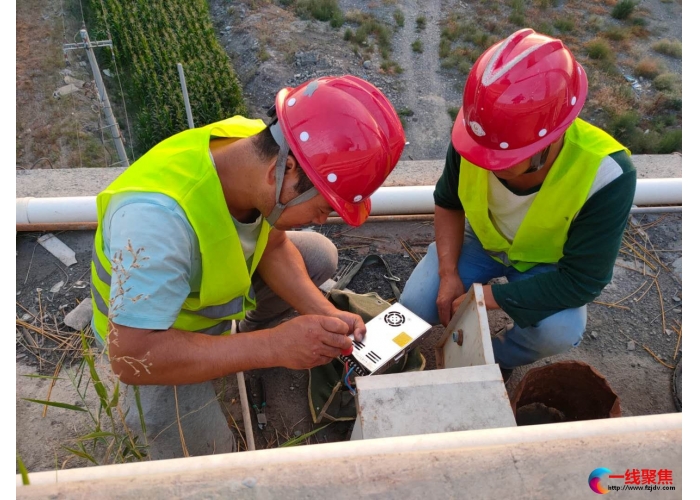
590,250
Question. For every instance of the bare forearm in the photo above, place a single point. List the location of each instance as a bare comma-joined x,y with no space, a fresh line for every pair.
449,237
283,270
175,357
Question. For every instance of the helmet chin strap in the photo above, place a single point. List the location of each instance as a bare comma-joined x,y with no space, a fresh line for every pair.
538,160
279,178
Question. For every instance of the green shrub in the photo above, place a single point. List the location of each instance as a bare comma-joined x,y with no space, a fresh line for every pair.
517,18
623,9
667,81
464,67
420,23
624,123
450,62
564,25
417,46
453,111
670,48
369,26
323,10
337,20
670,142
391,67
545,28
599,48
399,18
445,48
644,141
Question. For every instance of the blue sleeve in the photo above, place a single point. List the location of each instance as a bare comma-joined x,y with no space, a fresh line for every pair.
150,243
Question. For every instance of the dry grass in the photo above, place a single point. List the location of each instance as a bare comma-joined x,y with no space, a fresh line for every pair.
614,99
670,48
649,68
668,82
617,33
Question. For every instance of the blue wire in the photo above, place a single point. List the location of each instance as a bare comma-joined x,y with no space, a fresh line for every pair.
347,384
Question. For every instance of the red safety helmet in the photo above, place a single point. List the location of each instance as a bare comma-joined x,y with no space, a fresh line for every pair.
346,136
520,96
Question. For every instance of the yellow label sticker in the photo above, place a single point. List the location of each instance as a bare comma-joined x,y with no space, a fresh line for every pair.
402,339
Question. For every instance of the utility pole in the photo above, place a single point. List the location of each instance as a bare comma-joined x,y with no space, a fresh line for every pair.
185,95
101,91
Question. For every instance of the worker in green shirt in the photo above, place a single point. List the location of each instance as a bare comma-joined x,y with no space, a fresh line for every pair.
546,197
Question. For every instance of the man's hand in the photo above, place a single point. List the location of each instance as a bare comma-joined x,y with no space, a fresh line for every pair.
310,340
354,322
489,301
451,288
456,303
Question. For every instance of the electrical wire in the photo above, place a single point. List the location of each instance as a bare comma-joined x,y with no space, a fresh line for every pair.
347,381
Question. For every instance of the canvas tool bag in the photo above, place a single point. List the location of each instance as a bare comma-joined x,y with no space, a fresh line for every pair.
329,398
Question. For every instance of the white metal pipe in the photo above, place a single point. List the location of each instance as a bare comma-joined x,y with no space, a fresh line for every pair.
403,200
356,450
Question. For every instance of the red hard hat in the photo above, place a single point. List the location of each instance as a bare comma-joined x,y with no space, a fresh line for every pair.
346,136
520,96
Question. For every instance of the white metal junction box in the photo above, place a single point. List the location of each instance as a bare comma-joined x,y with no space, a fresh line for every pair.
466,392
467,338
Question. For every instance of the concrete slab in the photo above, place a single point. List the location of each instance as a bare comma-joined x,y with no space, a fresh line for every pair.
47,183
456,399
50,183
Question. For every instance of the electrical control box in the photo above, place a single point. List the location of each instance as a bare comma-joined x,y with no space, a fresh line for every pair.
390,335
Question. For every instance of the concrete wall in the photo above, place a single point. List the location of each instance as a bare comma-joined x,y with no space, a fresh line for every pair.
535,462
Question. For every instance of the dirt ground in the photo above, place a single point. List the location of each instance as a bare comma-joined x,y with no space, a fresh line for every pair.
272,48
55,131
639,376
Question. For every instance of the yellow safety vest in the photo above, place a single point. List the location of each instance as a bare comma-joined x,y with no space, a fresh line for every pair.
543,232
180,167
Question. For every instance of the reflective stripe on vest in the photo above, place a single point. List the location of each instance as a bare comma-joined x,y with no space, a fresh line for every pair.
543,232
180,167
232,307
